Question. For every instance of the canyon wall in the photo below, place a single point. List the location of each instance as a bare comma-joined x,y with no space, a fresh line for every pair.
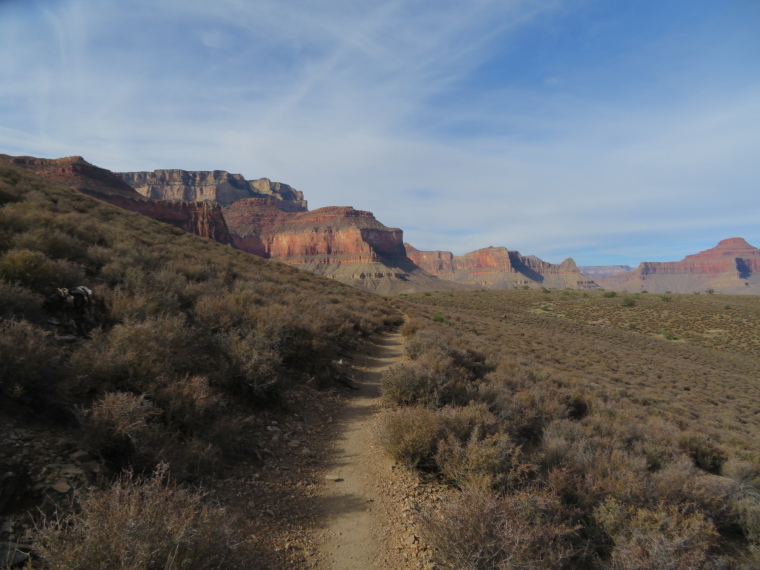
732,266
338,242
499,268
217,185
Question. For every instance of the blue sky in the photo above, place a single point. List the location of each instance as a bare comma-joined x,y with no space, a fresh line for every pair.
606,130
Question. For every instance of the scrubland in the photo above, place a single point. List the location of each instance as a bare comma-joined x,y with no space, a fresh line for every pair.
583,430
187,342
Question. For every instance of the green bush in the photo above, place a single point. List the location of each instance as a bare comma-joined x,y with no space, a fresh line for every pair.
609,294
628,302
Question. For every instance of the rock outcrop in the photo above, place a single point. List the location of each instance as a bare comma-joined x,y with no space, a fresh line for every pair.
202,218
733,266
271,220
345,244
217,185
500,268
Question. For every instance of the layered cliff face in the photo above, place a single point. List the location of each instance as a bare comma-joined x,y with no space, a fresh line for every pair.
733,266
339,242
500,268
202,218
218,185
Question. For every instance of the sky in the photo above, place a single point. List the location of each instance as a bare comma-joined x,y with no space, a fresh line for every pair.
610,131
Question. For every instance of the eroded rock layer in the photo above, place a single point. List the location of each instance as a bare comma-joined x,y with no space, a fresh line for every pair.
732,266
217,185
339,242
500,268
202,218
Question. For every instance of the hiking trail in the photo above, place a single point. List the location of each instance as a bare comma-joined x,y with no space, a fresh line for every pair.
359,502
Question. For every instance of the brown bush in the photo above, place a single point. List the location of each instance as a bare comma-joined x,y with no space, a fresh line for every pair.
410,435
123,429
31,363
478,530
666,536
145,524
490,462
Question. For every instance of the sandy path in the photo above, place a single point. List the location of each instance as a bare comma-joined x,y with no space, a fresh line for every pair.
355,531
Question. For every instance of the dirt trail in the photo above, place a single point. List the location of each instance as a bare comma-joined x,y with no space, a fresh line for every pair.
356,527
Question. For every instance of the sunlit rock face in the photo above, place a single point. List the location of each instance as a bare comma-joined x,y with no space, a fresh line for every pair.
217,185
732,266
500,268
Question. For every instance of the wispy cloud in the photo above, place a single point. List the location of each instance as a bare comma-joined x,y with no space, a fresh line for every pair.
485,123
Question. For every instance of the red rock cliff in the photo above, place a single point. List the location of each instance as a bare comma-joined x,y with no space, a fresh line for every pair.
334,233
498,268
732,266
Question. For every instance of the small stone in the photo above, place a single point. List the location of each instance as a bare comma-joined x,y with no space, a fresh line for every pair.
80,455
333,478
61,486
293,443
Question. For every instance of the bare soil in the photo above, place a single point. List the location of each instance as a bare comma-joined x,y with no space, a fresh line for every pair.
362,493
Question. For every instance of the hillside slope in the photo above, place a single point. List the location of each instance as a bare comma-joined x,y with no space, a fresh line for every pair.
183,355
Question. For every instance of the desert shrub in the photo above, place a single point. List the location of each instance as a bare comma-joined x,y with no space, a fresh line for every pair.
463,421
479,530
123,428
666,298
410,435
489,462
255,370
31,363
666,536
426,340
628,302
410,327
705,453
190,404
53,243
140,523
19,303
609,294
35,270
405,385
438,318
133,356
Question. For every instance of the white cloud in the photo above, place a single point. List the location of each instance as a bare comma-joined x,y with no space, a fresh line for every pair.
366,103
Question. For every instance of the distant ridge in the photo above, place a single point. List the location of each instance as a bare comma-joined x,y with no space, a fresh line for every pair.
732,266
500,268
